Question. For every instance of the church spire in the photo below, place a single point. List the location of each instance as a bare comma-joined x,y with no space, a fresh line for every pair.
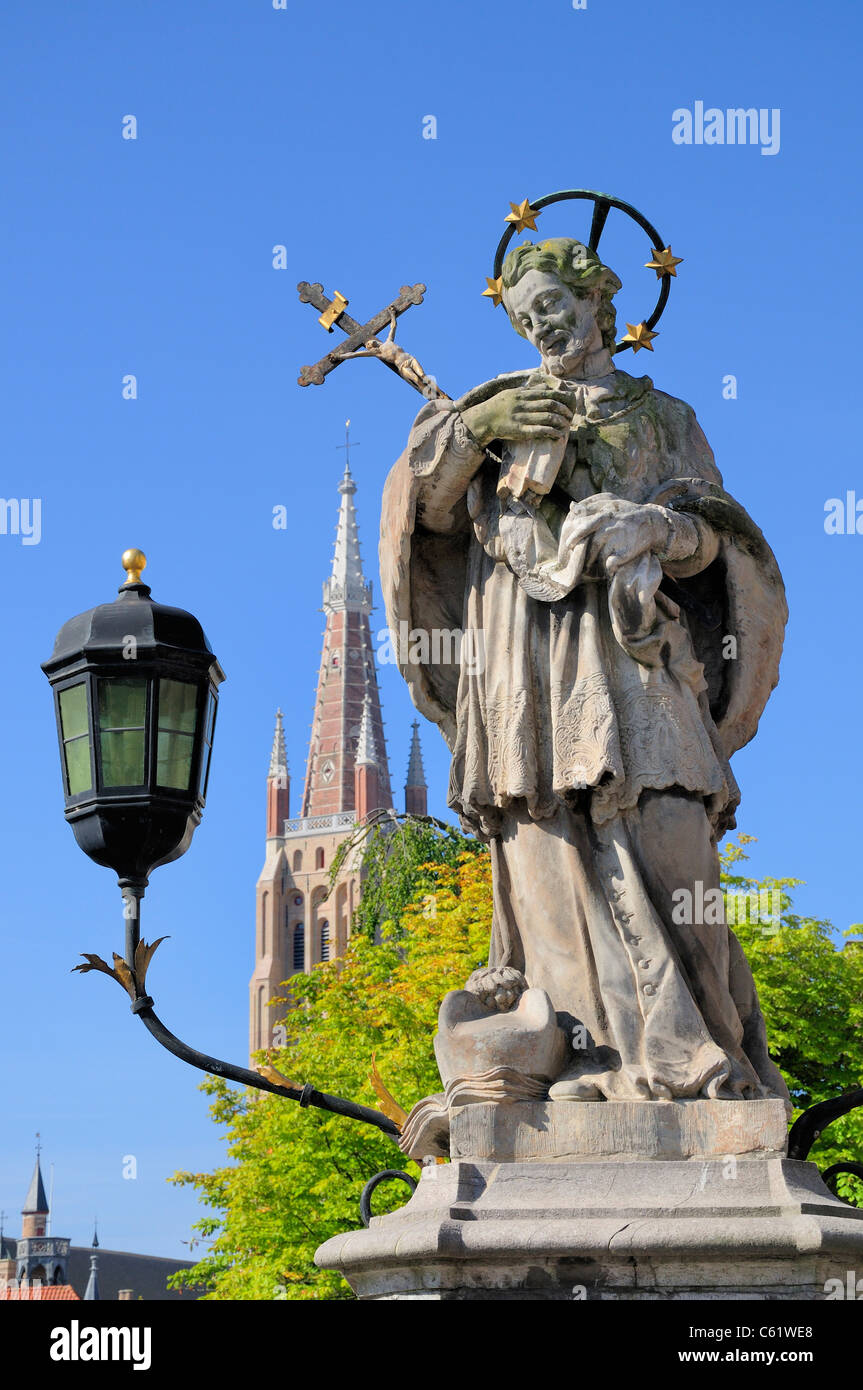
346,679
346,588
278,784
416,791
34,1213
36,1203
367,753
367,774
279,756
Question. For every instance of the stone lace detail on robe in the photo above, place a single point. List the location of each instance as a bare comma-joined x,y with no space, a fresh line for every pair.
588,692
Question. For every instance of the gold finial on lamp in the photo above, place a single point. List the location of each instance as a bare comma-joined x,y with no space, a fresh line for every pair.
133,563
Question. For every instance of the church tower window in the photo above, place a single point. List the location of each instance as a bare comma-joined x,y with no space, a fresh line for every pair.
299,957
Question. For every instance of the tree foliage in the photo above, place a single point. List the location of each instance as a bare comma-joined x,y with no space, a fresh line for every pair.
811,995
396,853
296,1174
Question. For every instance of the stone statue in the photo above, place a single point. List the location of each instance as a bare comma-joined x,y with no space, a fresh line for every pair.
631,618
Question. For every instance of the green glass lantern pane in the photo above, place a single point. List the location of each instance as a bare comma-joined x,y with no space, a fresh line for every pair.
73,710
178,702
208,744
77,753
211,715
174,760
123,705
123,758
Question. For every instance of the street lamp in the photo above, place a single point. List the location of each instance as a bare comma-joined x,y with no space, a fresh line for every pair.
136,689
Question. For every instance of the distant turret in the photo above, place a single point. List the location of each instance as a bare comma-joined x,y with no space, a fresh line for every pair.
416,791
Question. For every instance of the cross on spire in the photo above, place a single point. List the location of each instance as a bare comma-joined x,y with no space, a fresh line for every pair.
347,447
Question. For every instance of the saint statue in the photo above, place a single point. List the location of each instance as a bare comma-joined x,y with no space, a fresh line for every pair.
625,617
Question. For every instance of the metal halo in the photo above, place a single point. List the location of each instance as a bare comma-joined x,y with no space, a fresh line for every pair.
603,203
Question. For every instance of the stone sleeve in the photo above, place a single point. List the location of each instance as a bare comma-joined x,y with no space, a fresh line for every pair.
444,457
692,545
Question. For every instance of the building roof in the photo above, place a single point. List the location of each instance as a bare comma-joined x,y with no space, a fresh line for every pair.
40,1293
145,1275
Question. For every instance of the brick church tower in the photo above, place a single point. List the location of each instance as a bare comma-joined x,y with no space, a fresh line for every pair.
347,778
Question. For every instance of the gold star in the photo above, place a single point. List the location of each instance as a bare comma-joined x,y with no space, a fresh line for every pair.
640,336
663,263
523,215
495,289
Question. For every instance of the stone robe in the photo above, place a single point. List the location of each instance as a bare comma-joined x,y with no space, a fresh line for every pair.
592,721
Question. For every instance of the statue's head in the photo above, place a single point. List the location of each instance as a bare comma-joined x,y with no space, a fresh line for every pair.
558,295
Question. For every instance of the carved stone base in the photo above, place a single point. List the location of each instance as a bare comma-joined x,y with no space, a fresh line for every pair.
736,1222
618,1130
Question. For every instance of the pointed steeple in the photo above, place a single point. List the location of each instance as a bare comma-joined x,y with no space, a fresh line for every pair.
91,1293
367,753
278,784
416,791
35,1203
416,772
279,756
346,588
367,774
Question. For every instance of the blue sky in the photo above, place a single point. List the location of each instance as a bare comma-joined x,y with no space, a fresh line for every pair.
303,127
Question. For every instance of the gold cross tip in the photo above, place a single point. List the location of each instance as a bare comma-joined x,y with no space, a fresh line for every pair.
640,336
663,262
133,561
523,216
494,289
333,311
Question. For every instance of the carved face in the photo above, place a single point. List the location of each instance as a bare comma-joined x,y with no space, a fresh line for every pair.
559,321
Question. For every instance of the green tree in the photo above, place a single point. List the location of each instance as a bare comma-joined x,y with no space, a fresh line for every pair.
296,1175
396,854
811,995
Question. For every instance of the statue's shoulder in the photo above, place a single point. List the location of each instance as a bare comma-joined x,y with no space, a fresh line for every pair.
674,408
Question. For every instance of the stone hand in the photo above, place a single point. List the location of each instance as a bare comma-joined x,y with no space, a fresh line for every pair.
525,412
631,533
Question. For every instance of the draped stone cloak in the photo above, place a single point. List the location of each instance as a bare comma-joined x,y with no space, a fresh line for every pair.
566,698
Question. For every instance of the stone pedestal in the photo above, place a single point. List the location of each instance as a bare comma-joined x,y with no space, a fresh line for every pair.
701,1205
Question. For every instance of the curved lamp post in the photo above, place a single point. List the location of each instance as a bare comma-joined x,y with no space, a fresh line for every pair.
136,689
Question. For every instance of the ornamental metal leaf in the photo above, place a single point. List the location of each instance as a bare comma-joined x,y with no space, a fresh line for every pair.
389,1104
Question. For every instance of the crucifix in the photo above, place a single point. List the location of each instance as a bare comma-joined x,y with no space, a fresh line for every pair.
362,339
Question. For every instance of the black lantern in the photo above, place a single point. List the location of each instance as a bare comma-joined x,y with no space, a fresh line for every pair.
136,687
135,690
